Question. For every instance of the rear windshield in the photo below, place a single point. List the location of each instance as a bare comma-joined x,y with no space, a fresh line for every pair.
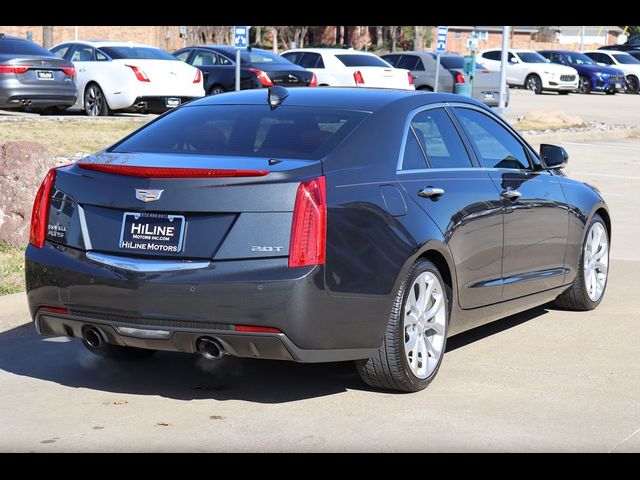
254,57
22,47
137,53
245,130
356,60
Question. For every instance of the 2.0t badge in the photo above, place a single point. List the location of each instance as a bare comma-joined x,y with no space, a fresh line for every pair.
146,195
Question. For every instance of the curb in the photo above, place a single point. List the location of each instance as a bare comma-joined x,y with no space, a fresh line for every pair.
590,135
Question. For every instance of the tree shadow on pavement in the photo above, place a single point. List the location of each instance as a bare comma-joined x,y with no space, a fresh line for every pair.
186,376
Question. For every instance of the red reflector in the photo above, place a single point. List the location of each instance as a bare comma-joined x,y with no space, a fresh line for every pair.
255,329
60,310
314,81
17,69
410,78
169,172
40,212
458,77
309,226
265,81
71,71
357,76
140,75
198,78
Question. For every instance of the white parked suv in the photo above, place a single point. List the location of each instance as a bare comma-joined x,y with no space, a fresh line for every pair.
337,67
128,76
629,65
532,71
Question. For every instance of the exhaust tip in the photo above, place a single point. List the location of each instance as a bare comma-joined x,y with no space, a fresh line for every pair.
93,338
209,348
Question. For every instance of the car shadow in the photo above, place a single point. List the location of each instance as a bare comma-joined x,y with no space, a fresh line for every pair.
187,377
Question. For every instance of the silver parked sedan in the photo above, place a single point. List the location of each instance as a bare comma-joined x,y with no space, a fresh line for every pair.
30,76
486,84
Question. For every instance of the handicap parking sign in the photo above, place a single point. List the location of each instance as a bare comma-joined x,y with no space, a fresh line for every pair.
441,39
240,36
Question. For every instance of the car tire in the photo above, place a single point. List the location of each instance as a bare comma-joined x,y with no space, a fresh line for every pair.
95,103
533,83
563,92
580,296
216,90
426,88
610,92
395,368
584,85
633,84
117,352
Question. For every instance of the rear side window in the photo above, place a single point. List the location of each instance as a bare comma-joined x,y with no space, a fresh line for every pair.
205,59
495,145
452,61
408,62
245,130
311,60
22,47
82,53
355,60
392,59
494,55
440,139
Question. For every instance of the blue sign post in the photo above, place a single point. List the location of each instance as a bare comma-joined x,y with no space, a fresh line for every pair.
240,42
441,46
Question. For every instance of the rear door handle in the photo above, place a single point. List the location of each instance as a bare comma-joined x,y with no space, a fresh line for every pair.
431,192
511,194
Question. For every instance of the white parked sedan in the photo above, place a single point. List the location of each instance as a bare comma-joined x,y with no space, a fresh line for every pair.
532,71
622,61
337,67
128,76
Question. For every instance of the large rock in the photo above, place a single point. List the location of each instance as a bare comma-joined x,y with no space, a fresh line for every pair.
23,166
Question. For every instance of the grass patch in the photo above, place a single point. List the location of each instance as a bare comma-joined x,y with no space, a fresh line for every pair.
68,137
11,269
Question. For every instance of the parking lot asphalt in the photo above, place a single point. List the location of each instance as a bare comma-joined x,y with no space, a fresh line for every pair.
544,380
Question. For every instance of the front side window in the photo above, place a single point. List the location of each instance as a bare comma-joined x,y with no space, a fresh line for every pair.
495,146
204,59
440,140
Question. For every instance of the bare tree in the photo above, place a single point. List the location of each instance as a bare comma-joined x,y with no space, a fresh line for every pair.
393,34
47,37
274,36
379,37
258,35
418,38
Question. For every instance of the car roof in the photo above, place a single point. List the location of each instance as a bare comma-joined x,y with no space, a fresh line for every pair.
107,43
334,51
338,98
12,37
605,51
228,48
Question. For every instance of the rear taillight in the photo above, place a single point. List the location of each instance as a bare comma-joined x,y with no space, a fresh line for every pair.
168,172
265,81
410,78
458,77
357,76
314,81
71,71
255,329
40,212
198,78
15,69
140,75
309,226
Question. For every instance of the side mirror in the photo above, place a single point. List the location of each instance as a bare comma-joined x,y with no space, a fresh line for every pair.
602,64
553,157
514,61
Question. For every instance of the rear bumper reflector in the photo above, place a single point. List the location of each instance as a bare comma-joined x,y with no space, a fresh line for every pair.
170,172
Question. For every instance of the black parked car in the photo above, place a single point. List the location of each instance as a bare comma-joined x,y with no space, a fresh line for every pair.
259,68
312,225
31,76
632,44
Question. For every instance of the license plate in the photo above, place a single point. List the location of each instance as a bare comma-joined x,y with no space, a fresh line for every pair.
152,232
488,96
172,102
45,74
618,85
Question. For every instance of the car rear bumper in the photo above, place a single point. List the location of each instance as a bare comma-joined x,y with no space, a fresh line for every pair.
209,301
37,98
157,104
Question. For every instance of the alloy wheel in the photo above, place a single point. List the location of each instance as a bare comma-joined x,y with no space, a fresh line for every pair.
93,101
596,261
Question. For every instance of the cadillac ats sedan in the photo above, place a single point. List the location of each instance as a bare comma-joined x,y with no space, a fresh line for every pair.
312,225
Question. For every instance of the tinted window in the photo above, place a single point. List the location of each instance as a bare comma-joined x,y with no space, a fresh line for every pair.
182,56
392,59
101,57
635,55
495,145
263,57
531,57
578,58
413,158
451,61
600,58
440,140
138,53
408,61
293,57
82,53
204,59
22,47
245,130
495,55
222,60
355,60
625,59
309,60
61,50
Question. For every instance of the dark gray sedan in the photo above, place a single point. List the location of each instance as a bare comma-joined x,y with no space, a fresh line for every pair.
30,76
486,84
